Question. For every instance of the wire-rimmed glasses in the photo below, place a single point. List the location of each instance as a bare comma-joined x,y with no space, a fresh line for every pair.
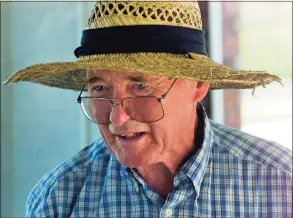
145,109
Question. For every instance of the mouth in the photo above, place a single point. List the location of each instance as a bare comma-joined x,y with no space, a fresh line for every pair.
131,138
131,135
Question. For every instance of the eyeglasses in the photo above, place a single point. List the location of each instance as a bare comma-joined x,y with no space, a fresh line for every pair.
145,109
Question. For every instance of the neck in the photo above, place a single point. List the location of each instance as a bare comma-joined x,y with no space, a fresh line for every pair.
160,175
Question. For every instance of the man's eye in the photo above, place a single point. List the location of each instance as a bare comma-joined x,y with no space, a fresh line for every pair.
139,86
98,88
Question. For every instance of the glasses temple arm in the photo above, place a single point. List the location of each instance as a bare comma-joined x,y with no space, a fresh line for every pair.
79,96
164,96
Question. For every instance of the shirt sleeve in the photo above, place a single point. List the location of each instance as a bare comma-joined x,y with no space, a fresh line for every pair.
33,202
42,198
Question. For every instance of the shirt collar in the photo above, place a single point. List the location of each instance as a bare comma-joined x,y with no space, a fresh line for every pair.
196,165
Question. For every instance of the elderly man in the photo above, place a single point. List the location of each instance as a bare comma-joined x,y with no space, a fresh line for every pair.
142,73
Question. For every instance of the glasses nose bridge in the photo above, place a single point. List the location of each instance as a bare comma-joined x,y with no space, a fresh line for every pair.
114,100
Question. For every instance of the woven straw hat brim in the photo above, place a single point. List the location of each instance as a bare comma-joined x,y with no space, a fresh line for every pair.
72,75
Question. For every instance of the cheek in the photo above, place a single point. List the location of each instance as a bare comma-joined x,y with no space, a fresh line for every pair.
107,136
104,130
176,114
161,132
173,113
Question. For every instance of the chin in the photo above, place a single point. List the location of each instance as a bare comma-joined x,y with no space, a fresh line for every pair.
130,161
133,160
139,155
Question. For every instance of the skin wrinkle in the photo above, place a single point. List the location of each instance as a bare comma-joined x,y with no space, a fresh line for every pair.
169,141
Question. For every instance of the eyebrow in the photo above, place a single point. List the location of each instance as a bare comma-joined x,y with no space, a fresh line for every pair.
132,78
94,79
137,79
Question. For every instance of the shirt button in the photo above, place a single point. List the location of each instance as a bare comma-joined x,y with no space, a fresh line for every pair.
168,212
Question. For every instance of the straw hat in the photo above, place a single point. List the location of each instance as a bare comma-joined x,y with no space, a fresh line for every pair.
158,38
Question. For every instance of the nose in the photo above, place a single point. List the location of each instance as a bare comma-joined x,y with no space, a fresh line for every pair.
118,116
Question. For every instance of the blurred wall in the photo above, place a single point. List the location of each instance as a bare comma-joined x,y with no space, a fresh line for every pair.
40,126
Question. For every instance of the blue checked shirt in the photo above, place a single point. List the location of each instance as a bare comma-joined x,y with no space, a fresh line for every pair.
233,174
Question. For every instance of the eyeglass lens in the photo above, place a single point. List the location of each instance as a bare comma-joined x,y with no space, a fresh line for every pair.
143,109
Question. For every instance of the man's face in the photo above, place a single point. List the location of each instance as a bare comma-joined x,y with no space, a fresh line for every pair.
137,144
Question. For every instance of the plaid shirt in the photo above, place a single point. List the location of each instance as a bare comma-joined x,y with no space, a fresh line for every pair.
233,174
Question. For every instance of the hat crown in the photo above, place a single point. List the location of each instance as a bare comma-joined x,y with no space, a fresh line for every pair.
111,14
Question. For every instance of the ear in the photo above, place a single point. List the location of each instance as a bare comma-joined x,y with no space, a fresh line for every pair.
201,91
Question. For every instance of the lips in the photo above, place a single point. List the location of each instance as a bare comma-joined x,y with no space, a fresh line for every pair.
130,135
131,138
